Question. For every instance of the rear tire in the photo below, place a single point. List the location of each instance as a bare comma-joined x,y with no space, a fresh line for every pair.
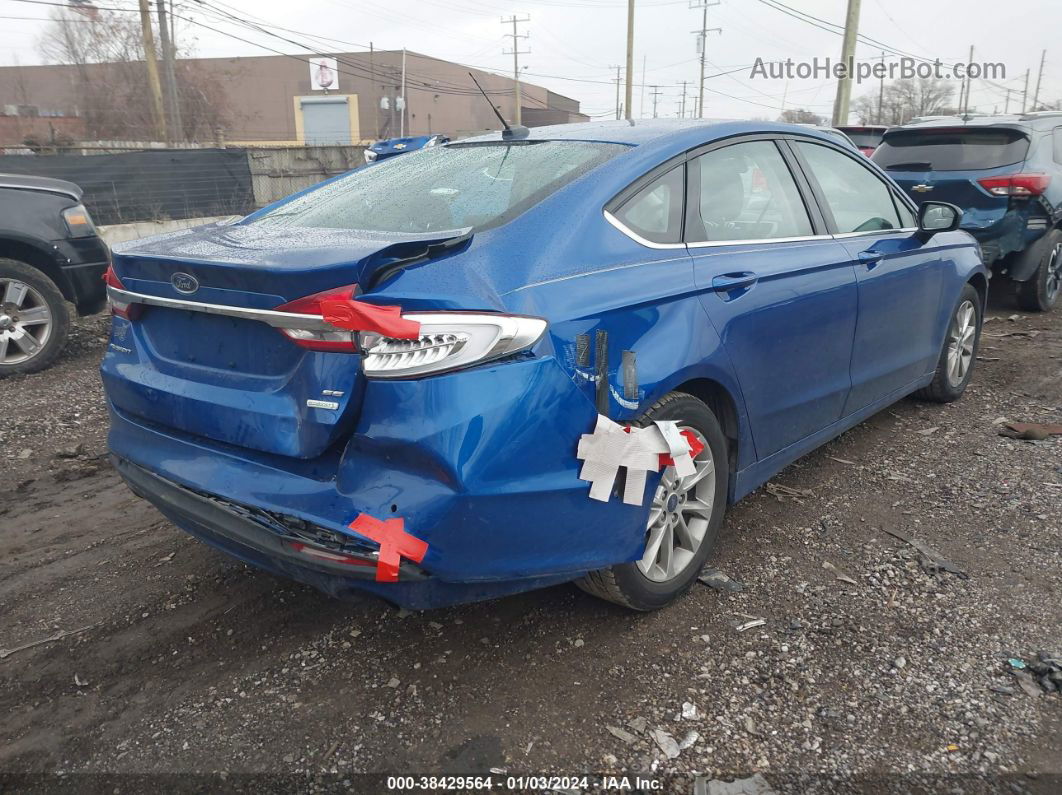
34,319
691,527
959,354
1040,292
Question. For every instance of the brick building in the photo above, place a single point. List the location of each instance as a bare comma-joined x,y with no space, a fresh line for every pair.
278,100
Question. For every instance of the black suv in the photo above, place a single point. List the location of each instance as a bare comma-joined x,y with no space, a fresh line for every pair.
49,254
1006,174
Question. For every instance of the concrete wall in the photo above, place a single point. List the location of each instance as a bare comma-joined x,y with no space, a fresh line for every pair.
279,172
121,233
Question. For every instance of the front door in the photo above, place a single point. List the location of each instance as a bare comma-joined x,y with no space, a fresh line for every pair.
779,290
900,277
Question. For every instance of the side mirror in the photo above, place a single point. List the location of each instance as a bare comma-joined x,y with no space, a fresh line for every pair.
936,217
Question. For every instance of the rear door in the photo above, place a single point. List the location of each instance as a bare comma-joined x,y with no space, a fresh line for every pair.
900,276
780,291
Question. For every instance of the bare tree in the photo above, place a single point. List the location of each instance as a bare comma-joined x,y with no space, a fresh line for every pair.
800,116
902,100
110,88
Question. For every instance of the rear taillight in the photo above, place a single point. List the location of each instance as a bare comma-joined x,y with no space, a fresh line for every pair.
1020,186
334,341
448,341
122,309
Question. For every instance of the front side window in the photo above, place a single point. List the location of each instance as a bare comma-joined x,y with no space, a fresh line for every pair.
746,193
858,199
655,212
449,187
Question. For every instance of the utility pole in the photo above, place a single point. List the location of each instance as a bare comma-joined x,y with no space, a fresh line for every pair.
848,46
702,44
969,85
516,53
629,94
682,109
1025,93
1039,78
372,93
169,56
655,94
1006,105
402,99
619,107
158,115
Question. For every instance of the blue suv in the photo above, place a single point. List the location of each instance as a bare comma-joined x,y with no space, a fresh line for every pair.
531,357
1005,172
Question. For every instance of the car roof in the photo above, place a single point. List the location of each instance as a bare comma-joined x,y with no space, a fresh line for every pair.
1039,120
640,132
45,184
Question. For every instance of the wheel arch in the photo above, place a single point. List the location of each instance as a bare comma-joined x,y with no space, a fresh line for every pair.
32,253
718,398
1025,263
980,283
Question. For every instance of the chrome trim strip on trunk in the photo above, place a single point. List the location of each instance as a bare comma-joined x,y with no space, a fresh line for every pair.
267,316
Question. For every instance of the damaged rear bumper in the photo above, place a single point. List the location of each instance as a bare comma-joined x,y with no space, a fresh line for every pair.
273,541
479,465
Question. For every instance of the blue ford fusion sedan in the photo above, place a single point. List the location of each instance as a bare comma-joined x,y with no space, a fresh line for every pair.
531,357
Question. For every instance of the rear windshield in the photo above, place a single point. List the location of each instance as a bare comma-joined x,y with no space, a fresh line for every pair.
870,139
476,185
951,150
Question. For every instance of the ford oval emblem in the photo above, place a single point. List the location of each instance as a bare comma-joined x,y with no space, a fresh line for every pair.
184,283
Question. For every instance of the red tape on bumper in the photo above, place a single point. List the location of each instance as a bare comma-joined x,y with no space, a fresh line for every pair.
394,542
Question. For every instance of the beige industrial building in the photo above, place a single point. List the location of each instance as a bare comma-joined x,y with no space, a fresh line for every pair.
279,100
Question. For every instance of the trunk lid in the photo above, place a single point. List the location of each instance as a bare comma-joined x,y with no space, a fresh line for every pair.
226,376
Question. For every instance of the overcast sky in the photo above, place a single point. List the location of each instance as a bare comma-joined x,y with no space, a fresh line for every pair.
574,44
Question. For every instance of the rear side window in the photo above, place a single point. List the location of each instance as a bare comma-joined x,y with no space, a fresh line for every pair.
859,200
1056,138
655,212
746,192
951,150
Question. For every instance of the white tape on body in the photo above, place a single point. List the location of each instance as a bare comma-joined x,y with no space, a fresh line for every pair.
678,448
638,450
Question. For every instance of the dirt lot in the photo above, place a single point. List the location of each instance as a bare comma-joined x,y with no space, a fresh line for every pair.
870,673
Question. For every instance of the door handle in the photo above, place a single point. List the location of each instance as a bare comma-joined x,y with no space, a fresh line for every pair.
870,258
734,281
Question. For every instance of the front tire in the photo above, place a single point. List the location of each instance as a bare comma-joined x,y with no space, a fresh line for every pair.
1040,293
684,518
956,364
34,320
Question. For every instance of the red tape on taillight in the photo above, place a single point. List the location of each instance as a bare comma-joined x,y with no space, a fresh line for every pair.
358,316
338,308
337,341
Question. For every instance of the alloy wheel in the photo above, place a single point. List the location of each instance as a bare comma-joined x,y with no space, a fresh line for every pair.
961,336
25,321
679,517
1054,274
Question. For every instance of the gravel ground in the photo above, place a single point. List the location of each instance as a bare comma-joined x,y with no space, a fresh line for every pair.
870,673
